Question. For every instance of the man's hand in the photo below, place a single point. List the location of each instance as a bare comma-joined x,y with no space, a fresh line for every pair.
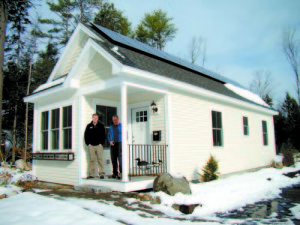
112,143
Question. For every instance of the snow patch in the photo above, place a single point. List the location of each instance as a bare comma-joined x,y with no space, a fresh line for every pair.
246,94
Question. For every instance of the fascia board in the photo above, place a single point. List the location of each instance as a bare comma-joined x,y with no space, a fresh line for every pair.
35,97
193,89
69,46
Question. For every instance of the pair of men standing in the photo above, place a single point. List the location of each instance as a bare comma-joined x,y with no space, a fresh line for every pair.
94,136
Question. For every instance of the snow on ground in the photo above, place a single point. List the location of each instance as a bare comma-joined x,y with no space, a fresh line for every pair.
230,193
217,196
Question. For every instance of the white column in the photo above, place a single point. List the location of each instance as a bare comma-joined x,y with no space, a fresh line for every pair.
124,133
168,119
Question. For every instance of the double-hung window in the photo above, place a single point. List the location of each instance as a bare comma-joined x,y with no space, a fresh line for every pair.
55,129
265,132
217,129
56,126
245,125
67,127
44,130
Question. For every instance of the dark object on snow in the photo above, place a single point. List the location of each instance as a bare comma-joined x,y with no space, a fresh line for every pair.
186,209
171,185
292,174
269,179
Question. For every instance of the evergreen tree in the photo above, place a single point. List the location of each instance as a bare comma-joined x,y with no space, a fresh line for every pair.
113,19
210,170
44,65
267,98
85,8
63,28
156,29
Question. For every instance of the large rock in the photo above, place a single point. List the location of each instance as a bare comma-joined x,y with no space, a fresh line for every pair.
20,164
171,184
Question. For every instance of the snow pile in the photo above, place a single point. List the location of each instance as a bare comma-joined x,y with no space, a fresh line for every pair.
246,94
31,209
231,193
16,175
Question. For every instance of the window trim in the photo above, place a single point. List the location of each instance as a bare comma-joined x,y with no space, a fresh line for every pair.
59,105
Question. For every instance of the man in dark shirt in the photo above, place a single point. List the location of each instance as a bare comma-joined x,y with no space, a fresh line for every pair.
115,140
94,136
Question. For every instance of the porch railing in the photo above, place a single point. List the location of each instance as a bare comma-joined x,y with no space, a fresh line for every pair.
147,159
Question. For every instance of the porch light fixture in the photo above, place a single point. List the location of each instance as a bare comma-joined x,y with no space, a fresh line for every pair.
153,106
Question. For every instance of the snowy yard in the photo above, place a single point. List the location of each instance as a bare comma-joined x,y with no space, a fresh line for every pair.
217,196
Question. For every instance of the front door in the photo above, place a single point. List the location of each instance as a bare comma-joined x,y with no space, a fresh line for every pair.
140,125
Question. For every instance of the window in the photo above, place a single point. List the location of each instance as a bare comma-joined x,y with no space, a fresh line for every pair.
60,136
55,129
44,130
141,116
265,132
105,117
67,127
217,128
245,125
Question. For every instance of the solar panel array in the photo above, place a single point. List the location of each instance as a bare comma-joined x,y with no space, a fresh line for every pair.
119,38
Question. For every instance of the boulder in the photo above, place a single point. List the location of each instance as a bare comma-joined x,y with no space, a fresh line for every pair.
171,184
155,200
20,164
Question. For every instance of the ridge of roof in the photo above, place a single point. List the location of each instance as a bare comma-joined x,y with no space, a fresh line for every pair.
124,41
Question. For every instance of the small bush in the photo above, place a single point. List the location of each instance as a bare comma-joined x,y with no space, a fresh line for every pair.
210,170
288,151
288,158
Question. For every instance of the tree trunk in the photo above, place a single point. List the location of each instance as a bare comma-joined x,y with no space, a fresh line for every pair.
3,22
14,136
26,116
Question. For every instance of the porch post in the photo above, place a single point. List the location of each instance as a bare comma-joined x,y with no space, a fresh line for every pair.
124,133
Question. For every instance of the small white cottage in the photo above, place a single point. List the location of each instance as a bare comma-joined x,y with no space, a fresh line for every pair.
174,114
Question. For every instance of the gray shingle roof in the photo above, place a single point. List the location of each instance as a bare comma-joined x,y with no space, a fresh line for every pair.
150,63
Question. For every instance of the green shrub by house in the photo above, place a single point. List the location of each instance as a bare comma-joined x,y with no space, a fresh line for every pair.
210,170
288,152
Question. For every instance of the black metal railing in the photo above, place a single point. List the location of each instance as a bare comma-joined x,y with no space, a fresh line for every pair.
147,159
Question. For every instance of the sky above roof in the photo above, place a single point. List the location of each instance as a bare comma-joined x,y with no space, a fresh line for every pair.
242,36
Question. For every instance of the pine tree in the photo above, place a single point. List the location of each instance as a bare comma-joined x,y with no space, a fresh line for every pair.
156,29
63,28
210,170
113,19
268,100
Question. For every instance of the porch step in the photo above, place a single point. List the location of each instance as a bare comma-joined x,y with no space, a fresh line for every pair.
92,188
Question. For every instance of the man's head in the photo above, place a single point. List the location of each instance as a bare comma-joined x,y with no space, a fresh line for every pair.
95,118
116,120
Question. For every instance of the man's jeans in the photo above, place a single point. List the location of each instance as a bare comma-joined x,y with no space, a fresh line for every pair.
96,154
116,155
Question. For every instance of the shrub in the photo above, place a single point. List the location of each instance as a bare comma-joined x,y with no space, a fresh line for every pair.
288,158
288,151
210,170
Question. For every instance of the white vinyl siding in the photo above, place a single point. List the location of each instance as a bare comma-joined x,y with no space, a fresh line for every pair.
192,137
65,172
99,69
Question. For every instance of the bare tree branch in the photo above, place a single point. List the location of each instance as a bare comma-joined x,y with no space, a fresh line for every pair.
196,48
291,50
262,83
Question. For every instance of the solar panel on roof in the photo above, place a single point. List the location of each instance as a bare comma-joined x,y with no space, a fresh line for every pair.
161,54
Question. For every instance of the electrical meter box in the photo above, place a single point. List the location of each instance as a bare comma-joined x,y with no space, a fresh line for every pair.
156,135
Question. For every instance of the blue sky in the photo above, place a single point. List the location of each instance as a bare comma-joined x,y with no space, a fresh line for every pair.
242,36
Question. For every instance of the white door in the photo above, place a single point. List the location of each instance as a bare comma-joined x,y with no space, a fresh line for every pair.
140,125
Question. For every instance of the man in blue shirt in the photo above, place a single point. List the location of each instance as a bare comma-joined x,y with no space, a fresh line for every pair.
115,140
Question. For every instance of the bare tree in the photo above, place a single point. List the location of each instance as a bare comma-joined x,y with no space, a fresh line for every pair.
196,48
291,50
262,83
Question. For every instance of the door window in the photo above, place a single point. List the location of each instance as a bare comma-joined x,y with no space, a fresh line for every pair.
141,116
